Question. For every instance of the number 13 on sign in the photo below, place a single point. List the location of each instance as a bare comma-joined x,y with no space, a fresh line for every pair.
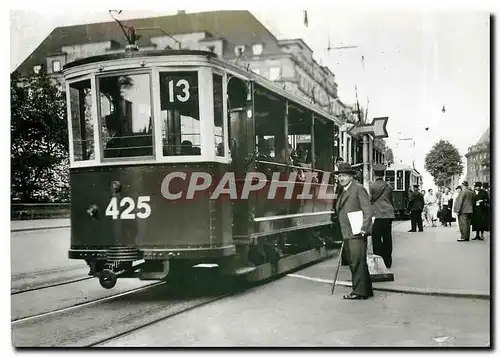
143,208
184,85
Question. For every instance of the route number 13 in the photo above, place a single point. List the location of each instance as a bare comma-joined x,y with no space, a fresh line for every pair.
143,207
184,85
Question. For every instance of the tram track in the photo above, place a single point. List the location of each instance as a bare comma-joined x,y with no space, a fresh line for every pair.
101,320
48,278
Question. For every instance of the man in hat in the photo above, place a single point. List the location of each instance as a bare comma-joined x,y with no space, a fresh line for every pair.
354,198
480,211
383,212
464,208
416,206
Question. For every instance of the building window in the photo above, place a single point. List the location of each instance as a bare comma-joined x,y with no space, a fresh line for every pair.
56,66
239,50
274,73
257,49
37,68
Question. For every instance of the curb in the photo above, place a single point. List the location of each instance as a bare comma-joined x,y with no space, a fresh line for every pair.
38,228
405,289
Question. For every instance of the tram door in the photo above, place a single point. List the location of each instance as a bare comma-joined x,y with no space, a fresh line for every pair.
240,122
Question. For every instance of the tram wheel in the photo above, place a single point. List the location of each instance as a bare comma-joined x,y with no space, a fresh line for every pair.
107,279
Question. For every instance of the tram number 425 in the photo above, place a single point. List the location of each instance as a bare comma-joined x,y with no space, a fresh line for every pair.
143,208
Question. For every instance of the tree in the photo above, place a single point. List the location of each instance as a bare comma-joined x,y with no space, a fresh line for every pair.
39,152
443,161
389,156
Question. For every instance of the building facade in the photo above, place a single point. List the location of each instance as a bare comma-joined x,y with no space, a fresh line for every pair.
478,160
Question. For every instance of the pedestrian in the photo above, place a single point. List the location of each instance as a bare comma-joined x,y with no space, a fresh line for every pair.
480,211
354,198
454,214
424,210
432,207
416,206
439,195
486,188
464,209
446,205
383,212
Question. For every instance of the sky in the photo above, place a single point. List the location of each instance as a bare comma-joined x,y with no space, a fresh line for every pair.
414,63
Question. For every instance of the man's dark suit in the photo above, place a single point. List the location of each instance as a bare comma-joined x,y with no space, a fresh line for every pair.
355,198
416,206
464,208
383,211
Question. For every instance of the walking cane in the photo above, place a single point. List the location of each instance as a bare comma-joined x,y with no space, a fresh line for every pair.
338,267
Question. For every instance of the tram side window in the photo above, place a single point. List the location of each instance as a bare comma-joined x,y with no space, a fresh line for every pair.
82,125
125,108
270,127
323,144
218,115
180,113
299,135
389,178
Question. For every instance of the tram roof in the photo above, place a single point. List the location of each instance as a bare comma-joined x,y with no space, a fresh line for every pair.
212,57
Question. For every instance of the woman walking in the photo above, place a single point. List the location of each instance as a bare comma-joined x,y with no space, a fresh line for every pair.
446,206
432,205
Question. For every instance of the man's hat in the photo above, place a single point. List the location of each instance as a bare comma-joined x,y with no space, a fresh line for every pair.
477,184
486,184
345,168
465,183
379,168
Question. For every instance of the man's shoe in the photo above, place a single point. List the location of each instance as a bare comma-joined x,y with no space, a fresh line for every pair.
476,238
353,296
411,231
462,240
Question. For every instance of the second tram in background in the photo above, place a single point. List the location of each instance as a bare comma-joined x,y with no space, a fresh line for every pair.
402,178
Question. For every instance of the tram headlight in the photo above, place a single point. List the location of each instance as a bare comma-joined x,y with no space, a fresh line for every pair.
93,211
115,186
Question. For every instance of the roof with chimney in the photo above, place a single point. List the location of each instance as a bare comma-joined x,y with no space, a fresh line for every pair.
236,27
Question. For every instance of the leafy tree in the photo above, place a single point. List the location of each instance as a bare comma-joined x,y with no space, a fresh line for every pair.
389,156
443,161
39,142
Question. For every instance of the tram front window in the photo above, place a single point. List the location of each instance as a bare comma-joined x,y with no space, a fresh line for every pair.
82,125
125,108
180,113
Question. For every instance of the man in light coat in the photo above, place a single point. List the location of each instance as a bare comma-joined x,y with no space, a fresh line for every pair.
383,212
354,198
464,208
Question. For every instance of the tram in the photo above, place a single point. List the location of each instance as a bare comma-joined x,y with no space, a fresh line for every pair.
401,178
149,129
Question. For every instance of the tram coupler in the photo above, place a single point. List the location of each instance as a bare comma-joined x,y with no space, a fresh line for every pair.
108,276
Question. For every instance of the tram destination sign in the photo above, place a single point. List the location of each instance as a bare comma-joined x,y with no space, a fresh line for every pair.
377,128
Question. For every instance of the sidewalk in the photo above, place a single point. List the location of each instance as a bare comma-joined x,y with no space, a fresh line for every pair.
430,262
38,224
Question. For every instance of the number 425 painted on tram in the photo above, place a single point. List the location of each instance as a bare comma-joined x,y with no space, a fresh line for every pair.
143,208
